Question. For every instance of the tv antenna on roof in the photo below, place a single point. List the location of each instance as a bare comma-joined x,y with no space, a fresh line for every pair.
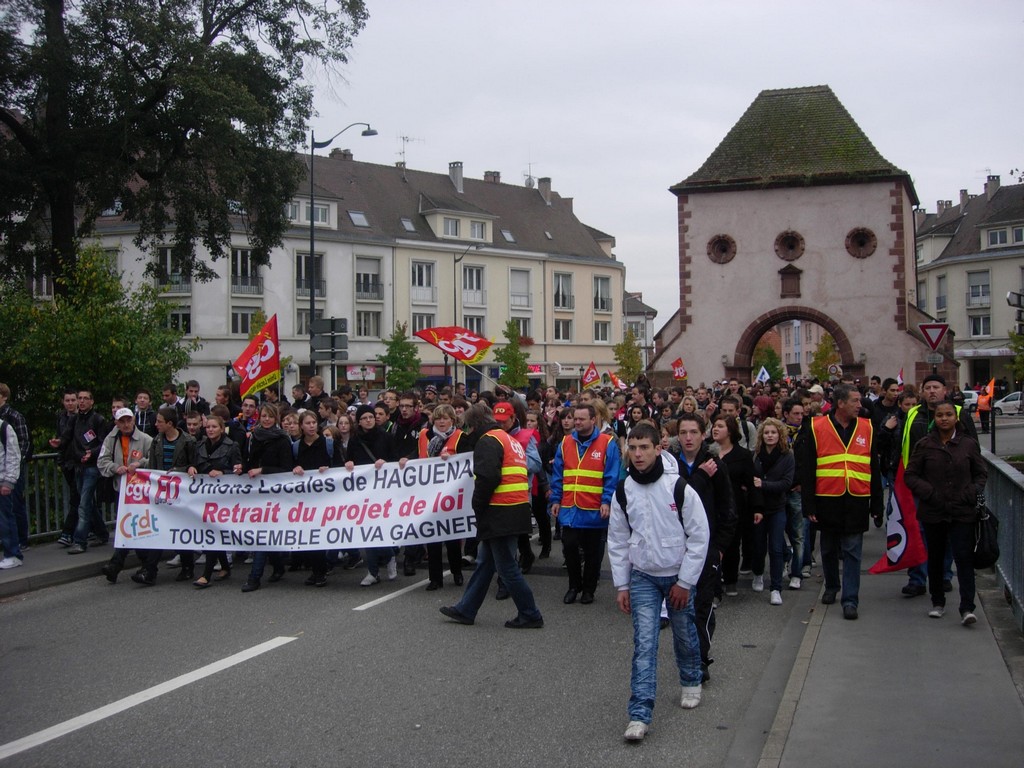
528,176
405,140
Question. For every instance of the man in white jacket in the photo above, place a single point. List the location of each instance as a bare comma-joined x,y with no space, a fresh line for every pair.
10,471
657,541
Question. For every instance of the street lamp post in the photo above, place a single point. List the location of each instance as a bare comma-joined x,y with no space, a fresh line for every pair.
310,263
455,309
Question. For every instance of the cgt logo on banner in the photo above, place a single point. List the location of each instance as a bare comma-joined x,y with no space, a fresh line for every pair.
134,523
426,500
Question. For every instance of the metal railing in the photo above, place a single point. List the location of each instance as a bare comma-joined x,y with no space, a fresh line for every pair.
47,496
247,284
1005,495
175,284
302,287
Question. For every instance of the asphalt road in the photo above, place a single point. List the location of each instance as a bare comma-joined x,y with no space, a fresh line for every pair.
394,684
1009,436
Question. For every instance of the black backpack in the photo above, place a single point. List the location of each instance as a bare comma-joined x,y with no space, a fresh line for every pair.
679,492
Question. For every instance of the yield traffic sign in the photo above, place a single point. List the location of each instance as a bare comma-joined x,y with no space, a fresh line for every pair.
933,333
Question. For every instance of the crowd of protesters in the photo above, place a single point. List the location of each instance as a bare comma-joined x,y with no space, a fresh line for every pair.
754,477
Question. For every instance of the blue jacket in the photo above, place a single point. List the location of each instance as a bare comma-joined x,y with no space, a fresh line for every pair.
574,517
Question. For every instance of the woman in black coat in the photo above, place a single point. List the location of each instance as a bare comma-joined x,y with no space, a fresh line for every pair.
372,445
725,431
947,475
217,455
774,468
270,453
312,453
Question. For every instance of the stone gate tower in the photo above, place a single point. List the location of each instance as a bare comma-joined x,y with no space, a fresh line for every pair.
795,216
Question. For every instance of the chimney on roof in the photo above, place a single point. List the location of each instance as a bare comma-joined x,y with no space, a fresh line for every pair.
544,187
991,186
400,164
964,197
940,206
492,176
341,154
455,174
920,214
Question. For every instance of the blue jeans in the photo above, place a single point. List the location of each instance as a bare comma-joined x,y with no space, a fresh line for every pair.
795,531
9,527
87,479
770,538
20,508
374,557
849,546
497,555
810,534
646,594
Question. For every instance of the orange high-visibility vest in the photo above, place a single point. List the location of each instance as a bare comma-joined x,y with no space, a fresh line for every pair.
583,476
842,468
514,488
523,437
449,445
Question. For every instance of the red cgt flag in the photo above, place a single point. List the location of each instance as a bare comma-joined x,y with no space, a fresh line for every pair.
461,343
678,369
590,376
260,364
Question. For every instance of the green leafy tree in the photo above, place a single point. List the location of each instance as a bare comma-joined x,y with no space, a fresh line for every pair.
512,358
765,355
184,108
628,358
401,359
825,354
100,334
1017,347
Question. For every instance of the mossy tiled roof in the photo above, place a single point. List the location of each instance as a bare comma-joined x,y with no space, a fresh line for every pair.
792,137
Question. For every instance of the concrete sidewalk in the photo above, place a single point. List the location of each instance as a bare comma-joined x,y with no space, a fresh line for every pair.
47,565
896,687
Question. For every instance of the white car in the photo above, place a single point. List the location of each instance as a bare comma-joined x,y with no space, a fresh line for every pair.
970,400
1009,404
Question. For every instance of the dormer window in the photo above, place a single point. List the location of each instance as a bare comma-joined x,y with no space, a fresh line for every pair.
451,227
996,237
477,230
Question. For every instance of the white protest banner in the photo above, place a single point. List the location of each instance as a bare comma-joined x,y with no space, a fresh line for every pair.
427,500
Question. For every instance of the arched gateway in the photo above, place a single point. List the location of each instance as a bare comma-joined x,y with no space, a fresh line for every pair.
795,215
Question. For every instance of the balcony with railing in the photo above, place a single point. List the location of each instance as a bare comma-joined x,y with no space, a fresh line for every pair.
520,300
979,298
369,288
940,303
602,303
302,288
423,294
565,301
476,298
247,285
174,284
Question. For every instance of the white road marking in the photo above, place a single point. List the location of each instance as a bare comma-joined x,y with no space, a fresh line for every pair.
75,723
391,595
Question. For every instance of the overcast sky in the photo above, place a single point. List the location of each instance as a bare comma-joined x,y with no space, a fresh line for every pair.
618,101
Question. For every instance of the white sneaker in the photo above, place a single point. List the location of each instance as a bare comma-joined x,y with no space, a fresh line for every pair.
392,569
806,572
635,731
937,611
758,584
795,583
369,580
730,590
776,598
968,618
690,698
10,562
174,562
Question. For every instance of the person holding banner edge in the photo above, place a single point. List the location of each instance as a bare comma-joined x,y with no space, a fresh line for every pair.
501,502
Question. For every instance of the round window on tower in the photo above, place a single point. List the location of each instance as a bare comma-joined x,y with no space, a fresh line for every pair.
861,242
789,245
721,249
